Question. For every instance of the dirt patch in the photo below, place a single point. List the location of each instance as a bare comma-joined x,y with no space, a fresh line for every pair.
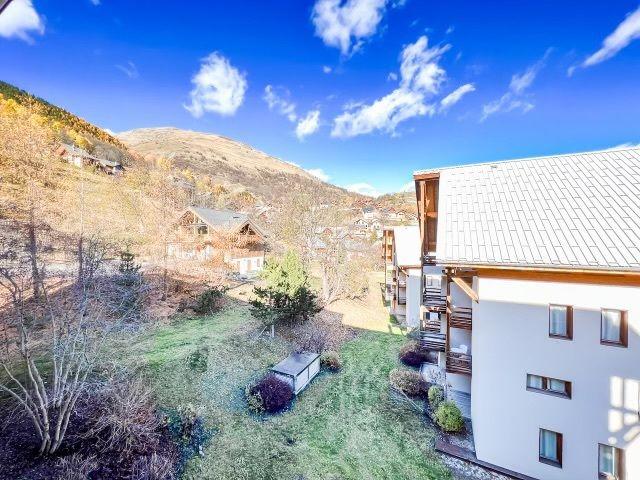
19,448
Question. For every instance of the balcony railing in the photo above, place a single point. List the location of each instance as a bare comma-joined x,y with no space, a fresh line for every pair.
429,325
460,317
402,300
434,300
429,259
458,363
436,342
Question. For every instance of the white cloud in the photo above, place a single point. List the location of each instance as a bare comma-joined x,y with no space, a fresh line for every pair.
384,114
364,189
346,24
392,77
19,19
308,124
130,69
627,31
408,187
319,173
420,78
326,69
516,97
455,96
278,102
625,146
218,87
95,2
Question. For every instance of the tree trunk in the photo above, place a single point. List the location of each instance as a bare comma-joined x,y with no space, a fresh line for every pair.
33,254
80,260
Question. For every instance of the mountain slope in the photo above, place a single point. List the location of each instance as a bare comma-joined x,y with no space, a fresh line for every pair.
228,162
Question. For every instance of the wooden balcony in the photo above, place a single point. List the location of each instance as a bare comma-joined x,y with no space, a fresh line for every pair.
436,342
429,325
434,300
429,259
460,317
458,363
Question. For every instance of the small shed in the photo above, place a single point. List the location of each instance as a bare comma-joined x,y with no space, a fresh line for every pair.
298,369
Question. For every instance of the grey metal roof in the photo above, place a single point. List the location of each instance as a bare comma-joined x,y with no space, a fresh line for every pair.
220,218
577,210
295,363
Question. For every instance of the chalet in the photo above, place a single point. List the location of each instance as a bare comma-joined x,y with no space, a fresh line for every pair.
369,212
80,158
530,309
362,223
205,234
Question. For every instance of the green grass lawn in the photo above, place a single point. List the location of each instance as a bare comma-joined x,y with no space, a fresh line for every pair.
343,426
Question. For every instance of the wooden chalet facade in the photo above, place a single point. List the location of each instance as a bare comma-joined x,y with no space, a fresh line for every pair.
223,236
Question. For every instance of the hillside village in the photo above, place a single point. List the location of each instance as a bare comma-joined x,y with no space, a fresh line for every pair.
178,304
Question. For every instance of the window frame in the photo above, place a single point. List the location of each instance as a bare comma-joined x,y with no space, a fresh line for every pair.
545,386
619,456
569,310
624,328
548,461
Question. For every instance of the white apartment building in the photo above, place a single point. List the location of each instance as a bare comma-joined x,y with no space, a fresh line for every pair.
403,270
531,306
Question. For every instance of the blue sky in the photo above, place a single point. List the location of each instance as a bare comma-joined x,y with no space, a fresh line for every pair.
353,90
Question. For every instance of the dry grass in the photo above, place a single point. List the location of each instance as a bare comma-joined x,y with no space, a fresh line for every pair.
343,426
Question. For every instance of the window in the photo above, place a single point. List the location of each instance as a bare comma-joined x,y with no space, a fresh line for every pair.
613,327
550,448
561,321
551,386
609,462
202,229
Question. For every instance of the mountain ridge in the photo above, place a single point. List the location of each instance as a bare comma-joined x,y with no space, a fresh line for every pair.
228,162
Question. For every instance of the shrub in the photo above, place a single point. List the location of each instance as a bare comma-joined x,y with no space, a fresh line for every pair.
190,433
448,417
254,400
436,396
413,355
271,393
209,301
76,467
153,467
198,360
408,382
331,361
124,420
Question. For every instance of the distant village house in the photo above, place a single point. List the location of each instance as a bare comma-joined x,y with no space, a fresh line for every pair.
80,158
207,234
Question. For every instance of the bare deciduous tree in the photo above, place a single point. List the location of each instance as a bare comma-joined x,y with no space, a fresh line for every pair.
46,368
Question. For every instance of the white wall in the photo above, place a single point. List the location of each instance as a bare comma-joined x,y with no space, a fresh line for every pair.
414,297
510,339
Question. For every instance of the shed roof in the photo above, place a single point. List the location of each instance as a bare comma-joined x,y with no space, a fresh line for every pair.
407,245
576,210
295,363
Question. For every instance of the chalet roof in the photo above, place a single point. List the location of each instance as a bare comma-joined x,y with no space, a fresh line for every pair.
407,245
72,149
577,210
224,219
